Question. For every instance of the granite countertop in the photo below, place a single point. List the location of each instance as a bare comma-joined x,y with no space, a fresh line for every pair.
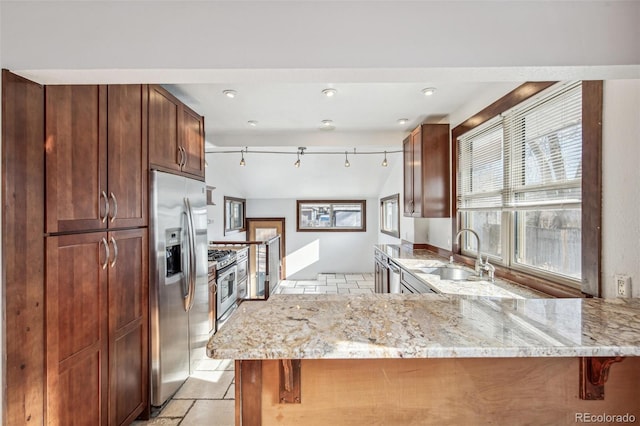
412,260
427,326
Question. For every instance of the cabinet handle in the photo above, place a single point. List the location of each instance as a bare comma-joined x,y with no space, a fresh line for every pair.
106,253
180,157
115,208
184,151
115,252
106,207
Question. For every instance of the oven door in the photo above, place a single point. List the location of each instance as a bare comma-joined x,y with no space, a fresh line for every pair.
227,281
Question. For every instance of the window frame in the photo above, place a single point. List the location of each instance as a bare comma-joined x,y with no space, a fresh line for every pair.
363,204
234,200
591,191
391,198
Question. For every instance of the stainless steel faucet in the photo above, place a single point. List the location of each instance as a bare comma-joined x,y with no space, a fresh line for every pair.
479,257
480,265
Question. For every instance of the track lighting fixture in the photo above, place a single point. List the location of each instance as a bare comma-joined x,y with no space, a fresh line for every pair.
302,151
299,153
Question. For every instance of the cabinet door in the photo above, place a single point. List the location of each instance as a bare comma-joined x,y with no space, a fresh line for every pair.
76,160
436,171
127,156
76,330
417,165
164,114
128,329
407,150
193,142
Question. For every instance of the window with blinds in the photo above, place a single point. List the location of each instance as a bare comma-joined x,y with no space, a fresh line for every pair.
519,184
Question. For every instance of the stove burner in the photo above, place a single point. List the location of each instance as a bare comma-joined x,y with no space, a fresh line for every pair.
217,255
222,258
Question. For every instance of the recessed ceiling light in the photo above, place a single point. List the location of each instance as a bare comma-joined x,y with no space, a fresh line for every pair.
403,121
429,91
327,123
329,92
252,123
229,93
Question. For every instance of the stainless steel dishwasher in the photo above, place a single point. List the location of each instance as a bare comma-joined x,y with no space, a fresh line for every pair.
394,278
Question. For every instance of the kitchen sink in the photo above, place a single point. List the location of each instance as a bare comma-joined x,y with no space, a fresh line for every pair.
449,273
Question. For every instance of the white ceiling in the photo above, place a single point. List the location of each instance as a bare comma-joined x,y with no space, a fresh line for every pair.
290,114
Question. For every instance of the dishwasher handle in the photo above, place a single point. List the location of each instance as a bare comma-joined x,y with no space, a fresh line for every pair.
394,279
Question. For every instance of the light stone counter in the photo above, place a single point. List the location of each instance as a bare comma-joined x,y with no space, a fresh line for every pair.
411,260
427,326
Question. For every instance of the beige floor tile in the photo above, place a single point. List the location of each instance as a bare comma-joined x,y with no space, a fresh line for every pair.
176,408
354,277
296,290
348,285
209,364
211,413
158,421
231,392
205,384
360,290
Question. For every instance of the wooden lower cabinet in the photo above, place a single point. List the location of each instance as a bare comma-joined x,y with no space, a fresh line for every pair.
96,327
128,327
430,391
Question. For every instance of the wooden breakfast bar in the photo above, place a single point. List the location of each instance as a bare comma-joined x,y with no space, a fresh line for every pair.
432,359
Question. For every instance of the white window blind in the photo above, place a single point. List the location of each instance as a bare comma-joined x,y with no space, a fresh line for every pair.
530,157
544,151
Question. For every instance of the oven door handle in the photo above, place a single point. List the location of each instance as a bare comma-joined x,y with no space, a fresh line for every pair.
191,239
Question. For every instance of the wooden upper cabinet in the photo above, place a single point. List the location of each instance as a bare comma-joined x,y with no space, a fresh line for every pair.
193,142
96,157
164,139
128,166
76,160
176,135
427,172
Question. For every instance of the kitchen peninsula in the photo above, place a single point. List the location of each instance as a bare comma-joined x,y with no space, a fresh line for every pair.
431,359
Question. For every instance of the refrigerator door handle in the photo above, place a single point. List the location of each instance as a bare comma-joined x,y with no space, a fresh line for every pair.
191,239
187,264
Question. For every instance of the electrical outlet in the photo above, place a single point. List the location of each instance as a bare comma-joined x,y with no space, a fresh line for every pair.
623,285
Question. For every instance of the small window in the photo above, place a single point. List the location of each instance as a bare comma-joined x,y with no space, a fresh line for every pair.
332,216
234,214
389,215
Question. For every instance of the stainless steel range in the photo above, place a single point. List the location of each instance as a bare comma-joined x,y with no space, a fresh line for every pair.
226,281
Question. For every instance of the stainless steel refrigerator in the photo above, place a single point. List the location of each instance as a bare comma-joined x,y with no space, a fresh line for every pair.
179,305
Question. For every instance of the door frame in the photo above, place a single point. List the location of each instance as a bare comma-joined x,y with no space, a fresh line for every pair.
283,245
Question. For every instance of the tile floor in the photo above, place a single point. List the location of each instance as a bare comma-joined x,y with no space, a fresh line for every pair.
207,397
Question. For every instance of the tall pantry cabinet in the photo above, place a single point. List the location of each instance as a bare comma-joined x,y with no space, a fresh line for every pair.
96,254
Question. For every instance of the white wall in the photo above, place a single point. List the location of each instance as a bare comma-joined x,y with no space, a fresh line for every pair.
297,35
310,253
225,186
621,184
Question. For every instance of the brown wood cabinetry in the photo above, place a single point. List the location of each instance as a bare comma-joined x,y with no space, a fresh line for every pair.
128,325
96,281
426,172
193,142
176,135
77,329
96,157
381,276
97,356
